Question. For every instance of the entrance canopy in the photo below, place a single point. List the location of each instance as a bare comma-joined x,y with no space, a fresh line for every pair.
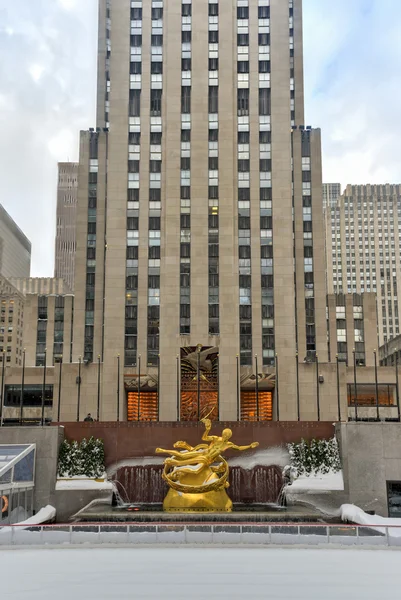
17,464
17,477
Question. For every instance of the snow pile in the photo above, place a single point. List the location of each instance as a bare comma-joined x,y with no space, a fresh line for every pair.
277,456
43,516
134,462
353,514
319,482
82,483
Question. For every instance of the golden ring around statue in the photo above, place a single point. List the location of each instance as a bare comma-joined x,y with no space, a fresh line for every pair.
213,486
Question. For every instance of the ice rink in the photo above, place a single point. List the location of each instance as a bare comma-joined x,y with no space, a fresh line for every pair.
199,573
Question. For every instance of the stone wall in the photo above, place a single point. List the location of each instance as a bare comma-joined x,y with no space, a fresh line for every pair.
131,440
371,455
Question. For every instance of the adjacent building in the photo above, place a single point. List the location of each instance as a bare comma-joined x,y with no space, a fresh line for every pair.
331,193
67,197
12,304
15,248
363,249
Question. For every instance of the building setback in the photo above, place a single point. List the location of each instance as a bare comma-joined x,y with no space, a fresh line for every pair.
67,196
15,248
363,249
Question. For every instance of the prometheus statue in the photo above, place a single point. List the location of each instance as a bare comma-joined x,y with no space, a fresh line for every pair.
198,476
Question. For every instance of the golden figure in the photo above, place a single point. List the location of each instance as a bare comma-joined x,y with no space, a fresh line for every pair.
198,476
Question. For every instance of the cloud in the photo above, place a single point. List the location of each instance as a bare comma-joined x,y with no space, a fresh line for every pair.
352,83
47,94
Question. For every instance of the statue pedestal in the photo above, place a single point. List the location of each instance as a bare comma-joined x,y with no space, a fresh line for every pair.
204,501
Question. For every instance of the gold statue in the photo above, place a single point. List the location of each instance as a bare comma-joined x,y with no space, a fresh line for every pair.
198,476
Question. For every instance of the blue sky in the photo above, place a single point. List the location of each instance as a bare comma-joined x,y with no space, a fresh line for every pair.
47,94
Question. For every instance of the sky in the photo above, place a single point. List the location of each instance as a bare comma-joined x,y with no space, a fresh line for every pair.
352,54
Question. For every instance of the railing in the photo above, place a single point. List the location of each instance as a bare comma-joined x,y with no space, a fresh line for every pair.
305,534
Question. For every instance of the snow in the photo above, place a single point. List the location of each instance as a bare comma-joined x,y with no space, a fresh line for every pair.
83,484
353,514
212,573
277,456
328,482
43,516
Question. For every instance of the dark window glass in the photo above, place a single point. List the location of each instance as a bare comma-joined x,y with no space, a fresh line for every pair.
132,252
243,39
213,37
186,100
136,68
185,135
213,163
154,223
136,14
156,138
213,192
243,102
136,41
264,12
186,64
156,67
157,13
243,66
186,37
155,166
244,251
154,252
135,138
185,192
155,103
186,10
264,101
243,12
185,221
135,103
244,194
264,66
133,195
155,194
243,166
265,137
185,164
157,40
213,99
243,137
185,251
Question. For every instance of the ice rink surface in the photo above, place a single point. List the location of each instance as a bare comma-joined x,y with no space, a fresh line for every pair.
199,573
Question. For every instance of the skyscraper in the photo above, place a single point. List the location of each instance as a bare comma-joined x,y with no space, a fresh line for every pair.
200,238
15,248
363,249
67,195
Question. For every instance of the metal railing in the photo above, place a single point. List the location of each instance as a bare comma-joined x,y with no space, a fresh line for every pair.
305,534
